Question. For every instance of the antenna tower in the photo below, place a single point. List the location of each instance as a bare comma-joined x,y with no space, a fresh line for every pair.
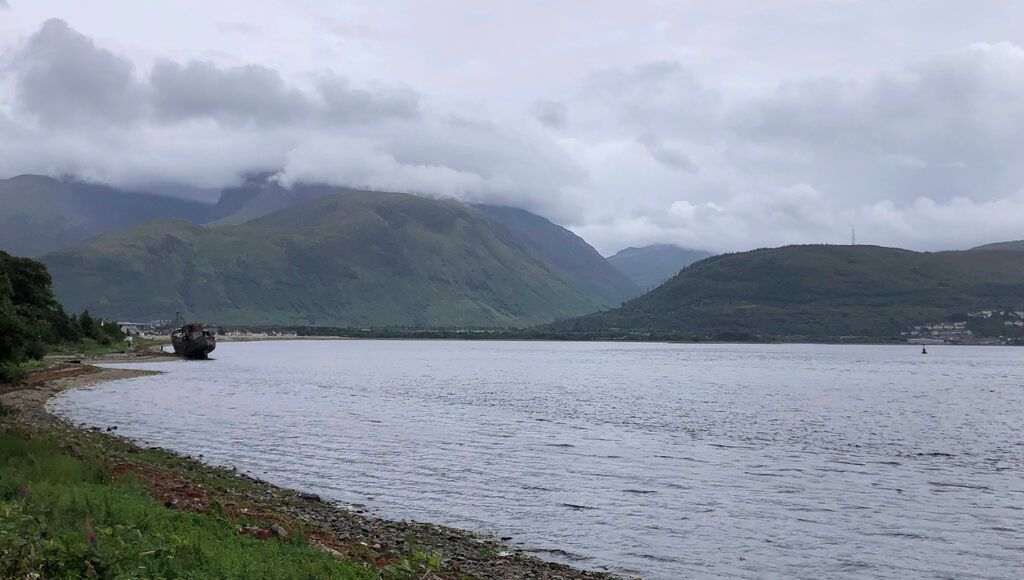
853,236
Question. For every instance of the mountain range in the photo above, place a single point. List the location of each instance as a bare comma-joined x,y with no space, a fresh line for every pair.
109,275
321,255
347,259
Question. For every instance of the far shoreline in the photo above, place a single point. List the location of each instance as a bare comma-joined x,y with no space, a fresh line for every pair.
603,340
524,335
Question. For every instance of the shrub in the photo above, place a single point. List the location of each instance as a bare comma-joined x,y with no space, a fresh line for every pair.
10,374
35,350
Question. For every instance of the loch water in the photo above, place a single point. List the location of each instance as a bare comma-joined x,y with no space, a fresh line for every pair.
657,460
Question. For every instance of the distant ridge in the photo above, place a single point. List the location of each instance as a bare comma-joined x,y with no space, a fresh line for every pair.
40,214
650,266
817,292
1016,246
259,196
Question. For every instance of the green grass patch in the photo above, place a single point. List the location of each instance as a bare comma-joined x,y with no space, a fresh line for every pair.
62,517
87,347
139,342
34,365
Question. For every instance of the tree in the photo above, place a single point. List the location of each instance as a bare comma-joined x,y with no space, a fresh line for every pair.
90,328
113,332
12,334
31,317
27,312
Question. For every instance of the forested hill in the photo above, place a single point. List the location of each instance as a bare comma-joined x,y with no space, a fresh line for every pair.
349,259
817,292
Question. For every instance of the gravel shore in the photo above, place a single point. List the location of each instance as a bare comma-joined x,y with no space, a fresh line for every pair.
186,483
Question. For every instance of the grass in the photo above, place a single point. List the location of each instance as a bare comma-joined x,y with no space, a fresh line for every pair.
70,517
90,347
34,365
140,342
76,503
87,347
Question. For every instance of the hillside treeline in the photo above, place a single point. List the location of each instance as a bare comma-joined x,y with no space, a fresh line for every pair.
32,322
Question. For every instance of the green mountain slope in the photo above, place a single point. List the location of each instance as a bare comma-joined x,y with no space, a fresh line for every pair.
818,292
350,259
40,214
650,266
574,259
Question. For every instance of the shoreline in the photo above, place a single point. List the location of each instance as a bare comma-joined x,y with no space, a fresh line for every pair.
183,482
411,335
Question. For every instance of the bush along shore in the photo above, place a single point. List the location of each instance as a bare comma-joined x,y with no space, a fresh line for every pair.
33,323
81,502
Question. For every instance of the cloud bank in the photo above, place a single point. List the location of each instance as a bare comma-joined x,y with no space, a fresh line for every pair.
924,155
82,110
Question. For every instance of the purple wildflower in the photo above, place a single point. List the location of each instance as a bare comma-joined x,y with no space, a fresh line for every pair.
22,491
89,532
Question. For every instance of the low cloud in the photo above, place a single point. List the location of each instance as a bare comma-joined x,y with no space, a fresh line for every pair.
800,215
258,96
239,28
944,128
359,163
662,98
449,157
668,156
83,110
550,113
345,105
925,156
239,95
64,79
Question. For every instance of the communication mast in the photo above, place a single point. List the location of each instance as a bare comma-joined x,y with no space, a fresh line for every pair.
853,236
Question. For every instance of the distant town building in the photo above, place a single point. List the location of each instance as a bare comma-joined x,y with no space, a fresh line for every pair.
135,327
985,321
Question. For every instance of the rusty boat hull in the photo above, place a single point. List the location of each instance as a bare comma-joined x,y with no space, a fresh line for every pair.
193,341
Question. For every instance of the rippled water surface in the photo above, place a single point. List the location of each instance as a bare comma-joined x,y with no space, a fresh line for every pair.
666,461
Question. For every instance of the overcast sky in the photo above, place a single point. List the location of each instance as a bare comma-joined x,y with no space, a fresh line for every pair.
725,126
